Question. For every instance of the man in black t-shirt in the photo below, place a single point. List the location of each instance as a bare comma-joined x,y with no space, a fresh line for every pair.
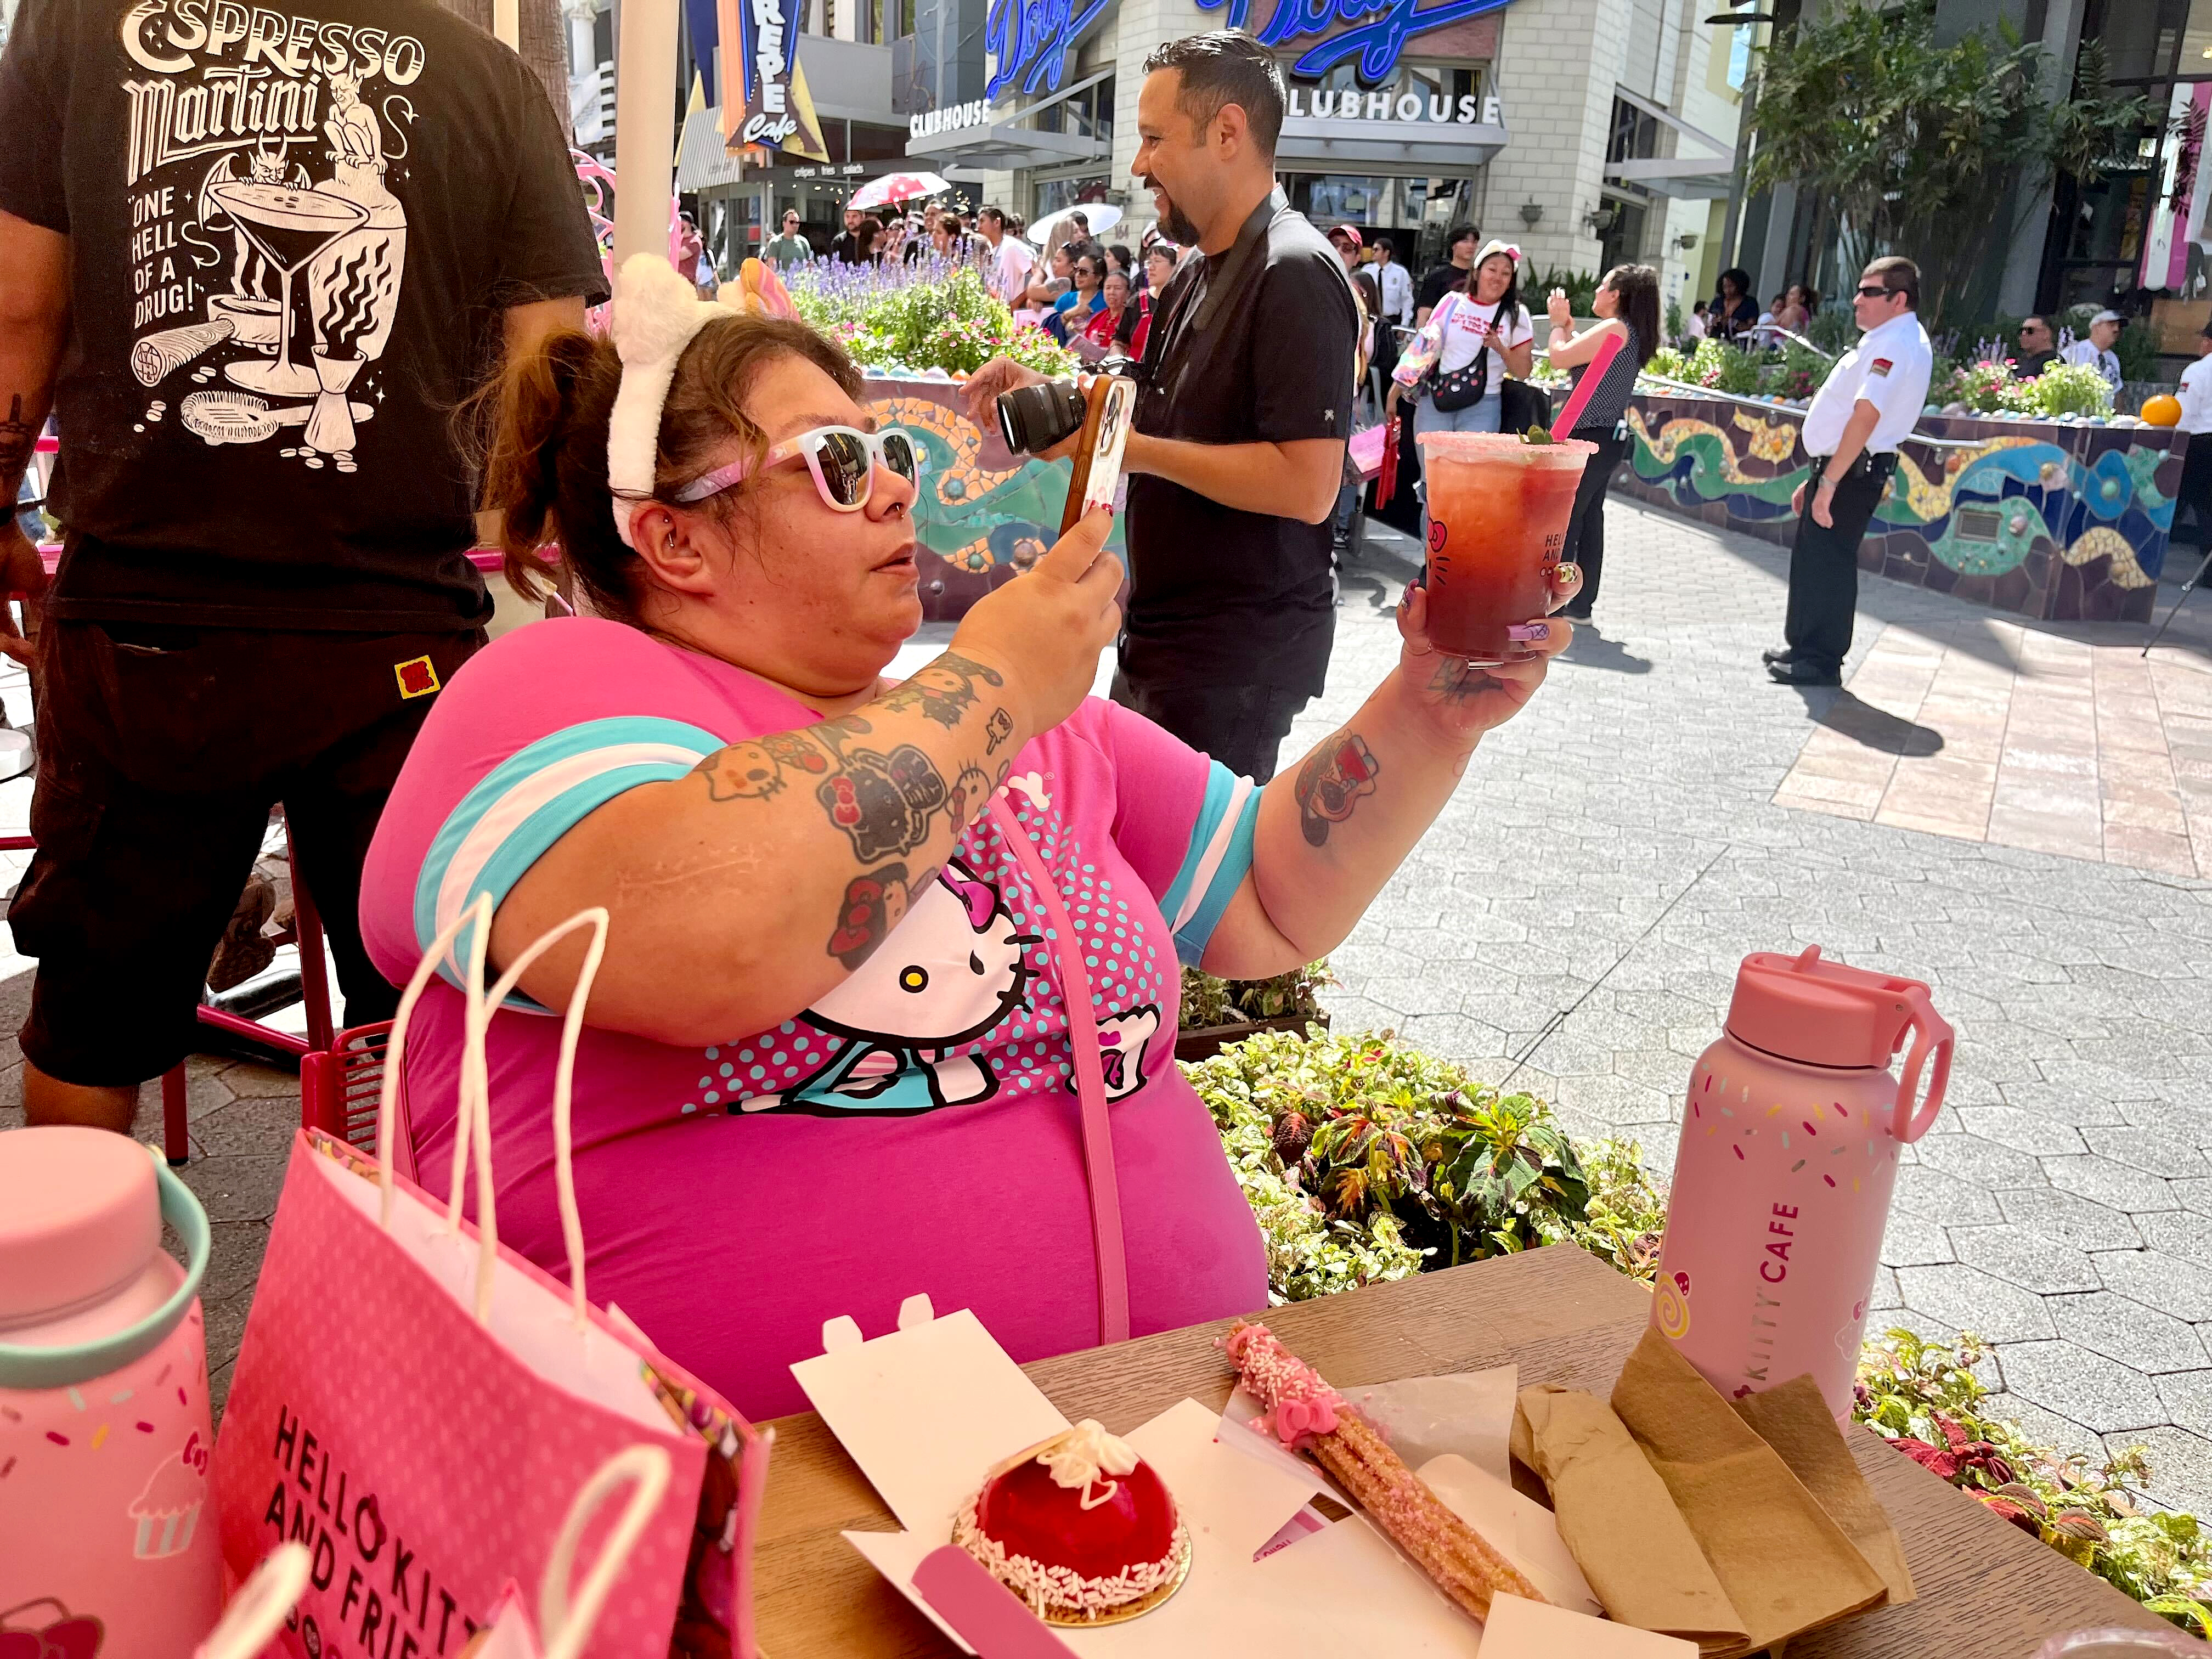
1459,259
850,246
254,258
1237,450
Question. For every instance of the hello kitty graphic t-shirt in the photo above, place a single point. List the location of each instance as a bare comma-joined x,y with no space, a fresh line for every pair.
293,229
917,1129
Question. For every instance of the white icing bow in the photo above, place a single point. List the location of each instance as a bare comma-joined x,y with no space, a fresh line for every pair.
1084,1453
656,312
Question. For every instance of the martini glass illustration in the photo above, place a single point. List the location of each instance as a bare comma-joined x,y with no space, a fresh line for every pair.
290,226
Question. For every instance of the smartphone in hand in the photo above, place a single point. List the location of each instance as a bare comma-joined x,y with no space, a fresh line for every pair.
1109,406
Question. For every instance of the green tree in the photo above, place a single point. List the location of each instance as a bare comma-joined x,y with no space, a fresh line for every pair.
1934,152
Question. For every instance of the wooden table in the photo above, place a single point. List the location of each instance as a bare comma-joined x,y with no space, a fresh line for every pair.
1987,1591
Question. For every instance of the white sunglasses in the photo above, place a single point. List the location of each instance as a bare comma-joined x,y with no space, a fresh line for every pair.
843,460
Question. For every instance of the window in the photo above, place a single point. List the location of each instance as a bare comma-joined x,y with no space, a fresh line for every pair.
1054,194
2136,239
1739,57
1085,115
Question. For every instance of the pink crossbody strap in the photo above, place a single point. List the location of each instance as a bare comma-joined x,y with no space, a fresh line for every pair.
1090,1084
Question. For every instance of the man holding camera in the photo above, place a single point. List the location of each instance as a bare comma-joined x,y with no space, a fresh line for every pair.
1244,402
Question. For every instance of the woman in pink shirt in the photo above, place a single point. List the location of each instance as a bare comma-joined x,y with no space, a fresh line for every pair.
858,930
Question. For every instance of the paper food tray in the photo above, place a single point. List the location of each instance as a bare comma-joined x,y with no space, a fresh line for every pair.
927,1410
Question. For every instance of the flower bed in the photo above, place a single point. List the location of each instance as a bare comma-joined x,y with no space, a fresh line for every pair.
934,315
1982,385
1366,1160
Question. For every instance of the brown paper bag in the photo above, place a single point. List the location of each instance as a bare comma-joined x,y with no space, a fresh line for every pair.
1785,1565
1794,1419
1617,1520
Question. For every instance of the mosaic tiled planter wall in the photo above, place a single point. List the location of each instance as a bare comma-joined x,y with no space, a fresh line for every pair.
2065,523
984,513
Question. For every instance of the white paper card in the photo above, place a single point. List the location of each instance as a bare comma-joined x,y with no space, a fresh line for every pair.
1529,1630
925,1412
1355,1594
1469,1414
1516,1526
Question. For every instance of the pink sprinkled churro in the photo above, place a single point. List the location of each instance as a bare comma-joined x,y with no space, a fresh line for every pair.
1308,1415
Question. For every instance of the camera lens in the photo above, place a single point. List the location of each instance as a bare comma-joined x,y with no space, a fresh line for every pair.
1032,418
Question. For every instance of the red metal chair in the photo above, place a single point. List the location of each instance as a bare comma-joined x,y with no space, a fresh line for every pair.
341,1088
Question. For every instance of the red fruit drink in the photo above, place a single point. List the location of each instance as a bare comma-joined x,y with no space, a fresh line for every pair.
1498,517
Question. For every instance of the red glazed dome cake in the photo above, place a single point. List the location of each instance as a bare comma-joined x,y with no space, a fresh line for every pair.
1081,1528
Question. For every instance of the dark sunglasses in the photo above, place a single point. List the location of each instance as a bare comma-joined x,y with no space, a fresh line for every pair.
1875,293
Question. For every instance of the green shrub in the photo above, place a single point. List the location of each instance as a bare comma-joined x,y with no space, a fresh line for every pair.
2061,389
1725,368
2138,350
1925,1398
1210,1001
1580,287
920,317
1364,1157
1834,329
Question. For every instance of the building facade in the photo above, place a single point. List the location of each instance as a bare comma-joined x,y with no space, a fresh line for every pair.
1591,132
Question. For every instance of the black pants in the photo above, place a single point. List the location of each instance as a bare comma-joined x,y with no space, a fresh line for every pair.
161,751
1585,543
1243,727
1824,562
2195,490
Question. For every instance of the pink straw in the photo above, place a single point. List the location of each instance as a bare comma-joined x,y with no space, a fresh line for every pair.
1607,349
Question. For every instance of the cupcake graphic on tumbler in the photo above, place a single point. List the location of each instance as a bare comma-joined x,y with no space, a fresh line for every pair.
167,1511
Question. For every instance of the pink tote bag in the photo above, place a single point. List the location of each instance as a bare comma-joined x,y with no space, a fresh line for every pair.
418,1406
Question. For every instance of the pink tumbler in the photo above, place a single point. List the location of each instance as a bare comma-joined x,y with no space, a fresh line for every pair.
1787,1160
103,1435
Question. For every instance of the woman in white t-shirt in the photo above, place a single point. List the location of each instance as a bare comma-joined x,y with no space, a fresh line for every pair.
1487,315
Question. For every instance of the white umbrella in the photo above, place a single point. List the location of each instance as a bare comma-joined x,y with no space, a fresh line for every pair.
1052,228
897,187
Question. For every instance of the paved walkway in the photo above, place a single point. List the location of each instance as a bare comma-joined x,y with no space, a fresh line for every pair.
1574,922
1989,731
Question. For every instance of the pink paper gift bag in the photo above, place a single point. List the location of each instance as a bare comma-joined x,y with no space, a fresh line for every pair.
418,1406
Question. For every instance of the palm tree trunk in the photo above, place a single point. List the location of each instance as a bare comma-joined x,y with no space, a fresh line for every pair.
543,45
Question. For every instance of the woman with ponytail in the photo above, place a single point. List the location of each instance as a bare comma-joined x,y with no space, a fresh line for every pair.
886,962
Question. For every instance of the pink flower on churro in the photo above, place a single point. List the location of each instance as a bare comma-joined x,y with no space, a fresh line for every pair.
1295,1420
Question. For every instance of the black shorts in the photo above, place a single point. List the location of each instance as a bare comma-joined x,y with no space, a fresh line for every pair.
161,750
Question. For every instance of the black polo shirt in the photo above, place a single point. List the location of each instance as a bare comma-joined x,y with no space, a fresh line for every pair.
1254,346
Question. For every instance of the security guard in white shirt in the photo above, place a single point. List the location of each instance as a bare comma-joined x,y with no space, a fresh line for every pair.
2196,491
1867,407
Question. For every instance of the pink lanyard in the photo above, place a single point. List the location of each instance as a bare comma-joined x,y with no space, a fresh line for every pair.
1090,1084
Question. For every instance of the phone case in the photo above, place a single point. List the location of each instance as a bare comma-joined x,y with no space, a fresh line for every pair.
1110,406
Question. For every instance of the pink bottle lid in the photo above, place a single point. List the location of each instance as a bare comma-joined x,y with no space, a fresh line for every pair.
1817,1013
80,1220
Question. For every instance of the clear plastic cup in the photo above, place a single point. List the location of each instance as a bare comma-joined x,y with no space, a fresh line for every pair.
1498,510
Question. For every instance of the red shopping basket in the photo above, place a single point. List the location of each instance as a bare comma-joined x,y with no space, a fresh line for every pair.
341,1087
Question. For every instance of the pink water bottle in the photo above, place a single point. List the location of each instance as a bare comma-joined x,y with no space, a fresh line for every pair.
103,1435
1788,1156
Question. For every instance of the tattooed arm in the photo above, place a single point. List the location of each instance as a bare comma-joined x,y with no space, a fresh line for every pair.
741,893
1332,832
33,322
